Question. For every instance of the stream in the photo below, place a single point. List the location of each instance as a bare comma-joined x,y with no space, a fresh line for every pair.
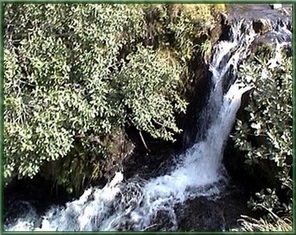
137,204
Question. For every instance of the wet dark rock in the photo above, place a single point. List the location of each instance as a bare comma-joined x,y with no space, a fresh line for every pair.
264,19
260,11
220,214
28,197
151,162
261,26
191,123
162,222
201,214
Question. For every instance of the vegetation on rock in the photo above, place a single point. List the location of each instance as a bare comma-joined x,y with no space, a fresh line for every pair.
265,137
76,75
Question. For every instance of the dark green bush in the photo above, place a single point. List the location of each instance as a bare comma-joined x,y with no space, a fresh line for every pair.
265,138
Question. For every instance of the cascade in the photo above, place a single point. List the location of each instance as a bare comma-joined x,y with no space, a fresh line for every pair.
134,204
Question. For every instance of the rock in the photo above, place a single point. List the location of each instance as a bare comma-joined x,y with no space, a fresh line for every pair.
276,6
252,12
190,123
221,214
162,222
201,214
262,26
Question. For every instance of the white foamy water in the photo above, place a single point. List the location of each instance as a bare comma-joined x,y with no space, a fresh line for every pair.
135,204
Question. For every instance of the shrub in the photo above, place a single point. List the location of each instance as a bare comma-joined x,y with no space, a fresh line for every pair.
65,81
265,138
77,74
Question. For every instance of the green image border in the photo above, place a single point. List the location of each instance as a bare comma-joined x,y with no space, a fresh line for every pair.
131,2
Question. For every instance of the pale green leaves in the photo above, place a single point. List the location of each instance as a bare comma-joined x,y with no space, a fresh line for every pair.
270,109
74,71
149,90
266,137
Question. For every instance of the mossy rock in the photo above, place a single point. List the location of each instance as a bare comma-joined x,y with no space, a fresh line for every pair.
80,169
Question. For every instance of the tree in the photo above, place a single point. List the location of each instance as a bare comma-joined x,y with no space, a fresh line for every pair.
77,74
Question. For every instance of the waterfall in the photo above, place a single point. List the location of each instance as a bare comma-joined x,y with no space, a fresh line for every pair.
135,204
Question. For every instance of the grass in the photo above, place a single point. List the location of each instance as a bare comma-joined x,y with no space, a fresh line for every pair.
276,224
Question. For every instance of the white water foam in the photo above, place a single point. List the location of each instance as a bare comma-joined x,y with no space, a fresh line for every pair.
135,204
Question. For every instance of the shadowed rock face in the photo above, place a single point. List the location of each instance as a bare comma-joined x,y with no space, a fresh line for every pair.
202,215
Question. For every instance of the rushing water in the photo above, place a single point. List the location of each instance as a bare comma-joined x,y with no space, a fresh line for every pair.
134,204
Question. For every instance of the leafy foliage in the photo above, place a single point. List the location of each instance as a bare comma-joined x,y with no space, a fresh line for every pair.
77,74
266,137
184,31
181,25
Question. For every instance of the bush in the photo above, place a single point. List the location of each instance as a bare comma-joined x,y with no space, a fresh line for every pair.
265,138
77,74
